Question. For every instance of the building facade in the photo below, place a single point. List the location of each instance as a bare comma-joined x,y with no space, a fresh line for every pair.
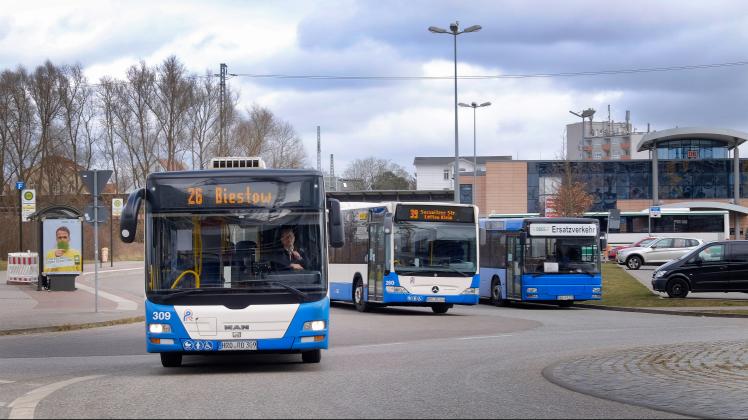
603,140
694,168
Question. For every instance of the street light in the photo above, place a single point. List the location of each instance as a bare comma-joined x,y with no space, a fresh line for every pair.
454,30
587,113
475,155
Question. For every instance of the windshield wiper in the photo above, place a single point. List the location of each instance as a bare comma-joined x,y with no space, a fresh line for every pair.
293,290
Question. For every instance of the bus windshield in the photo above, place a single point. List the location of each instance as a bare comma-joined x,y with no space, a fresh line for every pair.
447,249
562,255
254,251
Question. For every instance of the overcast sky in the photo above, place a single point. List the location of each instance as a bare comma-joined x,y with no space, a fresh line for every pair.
401,119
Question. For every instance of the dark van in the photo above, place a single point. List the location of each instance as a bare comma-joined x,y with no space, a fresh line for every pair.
714,267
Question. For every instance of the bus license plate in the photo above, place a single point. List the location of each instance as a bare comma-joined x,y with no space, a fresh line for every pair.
435,299
239,345
566,297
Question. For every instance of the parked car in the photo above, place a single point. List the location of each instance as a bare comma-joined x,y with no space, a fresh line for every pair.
657,252
613,251
714,267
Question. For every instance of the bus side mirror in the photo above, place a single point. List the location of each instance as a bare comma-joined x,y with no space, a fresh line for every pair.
482,236
335,225
388,224
523,238
603,242
128,222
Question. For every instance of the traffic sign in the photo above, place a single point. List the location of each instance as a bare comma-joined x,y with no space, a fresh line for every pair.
28,204
88,214
117,205
655,212
614,219
20,185
101,178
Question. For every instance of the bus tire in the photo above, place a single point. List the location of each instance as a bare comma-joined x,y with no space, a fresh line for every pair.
634,262
313,356
496,297
171,359
358,296
565,303
440,308
677,289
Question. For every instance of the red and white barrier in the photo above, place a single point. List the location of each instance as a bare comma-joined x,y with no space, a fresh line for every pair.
23,267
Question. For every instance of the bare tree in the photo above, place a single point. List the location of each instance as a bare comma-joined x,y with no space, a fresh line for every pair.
136,126
364,172
44,89
18,121
250,135
170,103
203,121
283,148
571,198
75,95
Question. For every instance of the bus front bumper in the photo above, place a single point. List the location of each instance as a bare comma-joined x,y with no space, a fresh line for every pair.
428,300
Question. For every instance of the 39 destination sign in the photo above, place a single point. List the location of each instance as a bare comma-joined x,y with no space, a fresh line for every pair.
426,213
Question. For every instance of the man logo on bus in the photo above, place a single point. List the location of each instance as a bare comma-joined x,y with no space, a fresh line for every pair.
435,289
187,315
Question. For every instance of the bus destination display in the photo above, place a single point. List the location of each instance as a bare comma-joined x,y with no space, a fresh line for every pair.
416,213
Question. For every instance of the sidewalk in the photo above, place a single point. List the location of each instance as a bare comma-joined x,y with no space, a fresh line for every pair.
23,309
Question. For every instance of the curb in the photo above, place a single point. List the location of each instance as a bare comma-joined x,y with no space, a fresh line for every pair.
72,327
659,311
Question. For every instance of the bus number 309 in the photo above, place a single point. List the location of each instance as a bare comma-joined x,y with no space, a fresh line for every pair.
161,316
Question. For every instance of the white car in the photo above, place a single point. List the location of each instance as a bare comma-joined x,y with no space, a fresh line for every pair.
657,252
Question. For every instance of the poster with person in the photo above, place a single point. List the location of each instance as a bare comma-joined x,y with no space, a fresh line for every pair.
62,244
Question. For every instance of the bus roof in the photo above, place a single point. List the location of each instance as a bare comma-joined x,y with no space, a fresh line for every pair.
518,223
253,172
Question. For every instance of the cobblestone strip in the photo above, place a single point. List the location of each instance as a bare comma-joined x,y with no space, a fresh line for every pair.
697,379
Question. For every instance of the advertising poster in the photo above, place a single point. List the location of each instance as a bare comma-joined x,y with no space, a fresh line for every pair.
62,246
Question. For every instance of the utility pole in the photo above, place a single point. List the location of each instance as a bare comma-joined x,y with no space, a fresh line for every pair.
334,182
222,115
319,151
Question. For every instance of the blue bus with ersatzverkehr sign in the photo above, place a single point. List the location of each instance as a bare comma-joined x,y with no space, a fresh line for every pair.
215,276
545,260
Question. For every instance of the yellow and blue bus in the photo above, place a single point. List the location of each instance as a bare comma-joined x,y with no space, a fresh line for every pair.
215,276
545,260
407,254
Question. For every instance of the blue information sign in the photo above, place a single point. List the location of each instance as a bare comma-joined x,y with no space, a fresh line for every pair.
20,185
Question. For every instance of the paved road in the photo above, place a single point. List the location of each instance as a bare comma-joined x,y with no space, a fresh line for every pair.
474,362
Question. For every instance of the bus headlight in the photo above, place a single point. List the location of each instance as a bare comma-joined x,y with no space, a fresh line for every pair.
532,290
470,291
314,326
596,290
159,328
396,289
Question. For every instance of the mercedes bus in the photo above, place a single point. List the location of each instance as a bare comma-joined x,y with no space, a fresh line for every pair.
407,254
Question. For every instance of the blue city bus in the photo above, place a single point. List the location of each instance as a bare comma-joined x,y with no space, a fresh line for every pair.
407,254
547,260
215,278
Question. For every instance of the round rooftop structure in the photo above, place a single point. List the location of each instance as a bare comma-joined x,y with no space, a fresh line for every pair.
726,138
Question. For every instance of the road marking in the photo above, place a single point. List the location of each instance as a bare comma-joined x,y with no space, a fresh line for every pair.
381,345
24,407
2,382
88,273
484,336
122,303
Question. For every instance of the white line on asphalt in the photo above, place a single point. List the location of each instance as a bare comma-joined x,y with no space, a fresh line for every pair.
24,407
88,273
5,382
122,303
483,336
380,345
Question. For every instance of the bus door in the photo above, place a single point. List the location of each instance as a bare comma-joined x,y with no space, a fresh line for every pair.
376,257
513,267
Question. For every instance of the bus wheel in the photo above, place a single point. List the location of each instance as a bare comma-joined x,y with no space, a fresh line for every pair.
313,356
358,297
441,308
496,297
171,359
565,303
677,288
633,263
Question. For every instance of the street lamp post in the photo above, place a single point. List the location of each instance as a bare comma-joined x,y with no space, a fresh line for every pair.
589,112
475,155
454,30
